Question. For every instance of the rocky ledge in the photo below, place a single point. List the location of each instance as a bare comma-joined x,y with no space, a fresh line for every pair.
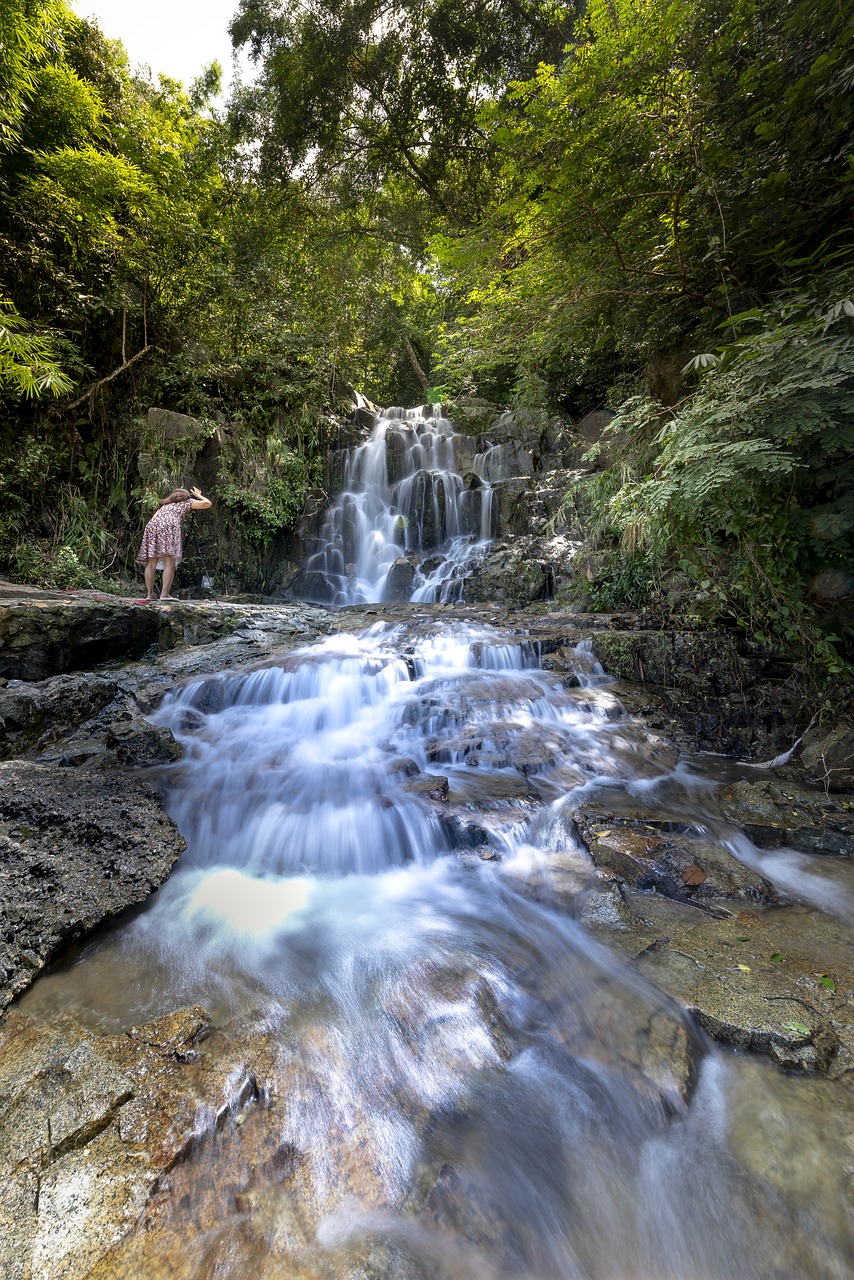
77,849
72,854
47,633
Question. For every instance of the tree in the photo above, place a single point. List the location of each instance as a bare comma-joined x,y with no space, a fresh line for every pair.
374,89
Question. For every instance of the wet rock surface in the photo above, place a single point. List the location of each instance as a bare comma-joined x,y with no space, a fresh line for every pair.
827,756
74,853
521,570
116,1149
91,1125
723,696
97,718
754,969
774,814
645,851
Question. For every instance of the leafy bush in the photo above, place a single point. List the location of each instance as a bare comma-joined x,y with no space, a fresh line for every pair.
627,581
750,481
272,507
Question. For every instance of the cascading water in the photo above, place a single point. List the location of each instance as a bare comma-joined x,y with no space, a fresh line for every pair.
405,525
455,1080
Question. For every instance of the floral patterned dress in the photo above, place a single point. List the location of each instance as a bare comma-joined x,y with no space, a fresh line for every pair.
162,534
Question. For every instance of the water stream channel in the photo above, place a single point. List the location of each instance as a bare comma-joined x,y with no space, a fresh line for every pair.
434,1069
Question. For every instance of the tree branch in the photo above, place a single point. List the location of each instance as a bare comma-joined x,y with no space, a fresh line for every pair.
89,393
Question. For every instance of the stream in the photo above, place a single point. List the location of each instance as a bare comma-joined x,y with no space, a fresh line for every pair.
438,1072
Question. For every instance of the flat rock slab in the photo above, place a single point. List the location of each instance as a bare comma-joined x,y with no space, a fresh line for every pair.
783,813
41,637
646,852
754,979
73,853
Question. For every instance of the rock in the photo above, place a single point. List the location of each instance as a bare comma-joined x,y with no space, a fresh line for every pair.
401,576
92,1129
123,743
723,697
43,719
431,786
398,442
172,426
594,434
42,638
774,814
720,970
710,661
683,866
74,853
521,571
27,711
827,756
45,637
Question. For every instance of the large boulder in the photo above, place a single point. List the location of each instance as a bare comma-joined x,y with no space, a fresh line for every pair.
172,426
775,813
522,570
73,853
399,583
44,637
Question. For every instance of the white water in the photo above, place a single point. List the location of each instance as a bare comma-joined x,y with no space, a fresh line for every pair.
451,1054
403,496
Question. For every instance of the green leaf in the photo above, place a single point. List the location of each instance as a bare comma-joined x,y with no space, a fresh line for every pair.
800,1027
828,982
776,958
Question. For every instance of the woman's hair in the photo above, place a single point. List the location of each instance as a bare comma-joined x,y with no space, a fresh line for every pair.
177,495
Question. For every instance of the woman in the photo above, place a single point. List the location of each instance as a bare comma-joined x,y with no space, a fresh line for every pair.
161,539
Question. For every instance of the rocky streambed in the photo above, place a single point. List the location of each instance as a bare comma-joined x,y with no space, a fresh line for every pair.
437,984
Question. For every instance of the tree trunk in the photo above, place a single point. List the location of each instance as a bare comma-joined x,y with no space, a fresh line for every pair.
413,360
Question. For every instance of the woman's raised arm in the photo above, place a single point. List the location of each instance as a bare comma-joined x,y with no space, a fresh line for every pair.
198,501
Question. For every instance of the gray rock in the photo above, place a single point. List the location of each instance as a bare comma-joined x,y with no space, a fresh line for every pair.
683,866
428,786
720,969
596,437
172,426
827,756
53,707
398,584
781,813
74,853
520,571
44,637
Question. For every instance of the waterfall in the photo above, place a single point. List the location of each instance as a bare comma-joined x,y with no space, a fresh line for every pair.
408,521
424,1062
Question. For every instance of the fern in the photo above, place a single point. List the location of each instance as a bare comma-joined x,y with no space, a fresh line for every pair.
752,478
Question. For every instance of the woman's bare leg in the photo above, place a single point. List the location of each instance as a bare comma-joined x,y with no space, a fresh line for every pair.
150,571
168,575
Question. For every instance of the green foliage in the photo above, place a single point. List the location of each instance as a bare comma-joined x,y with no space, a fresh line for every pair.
538,202
750,481
271,507
361,92
28,365
626,582
672,171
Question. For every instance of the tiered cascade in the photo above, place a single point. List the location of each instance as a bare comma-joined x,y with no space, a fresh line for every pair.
413,512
